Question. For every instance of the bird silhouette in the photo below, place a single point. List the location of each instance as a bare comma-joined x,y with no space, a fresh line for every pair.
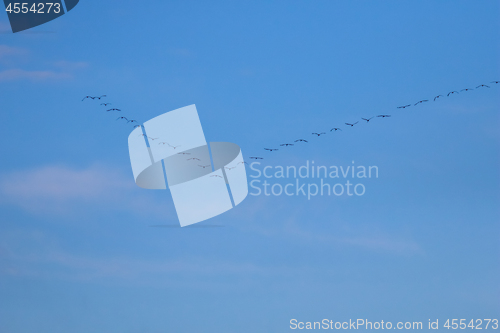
113,110
137,126
93,97
216,176
496,82
122,118
466,89
404,106
270,149
132,121
422,101
452,92
367,120
335,129
174,146
352,124
318,134
204,166
383,115
153,138
300,140
256,158
286,144
437,97
182,153
482,85
193,158
105,104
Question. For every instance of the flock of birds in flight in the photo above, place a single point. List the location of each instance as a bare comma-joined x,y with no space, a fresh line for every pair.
318,134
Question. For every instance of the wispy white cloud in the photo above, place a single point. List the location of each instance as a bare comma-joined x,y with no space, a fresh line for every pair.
291,228
71,65
62,183
181,52
9,51
384,242
58,70
21,74
38,255
62,190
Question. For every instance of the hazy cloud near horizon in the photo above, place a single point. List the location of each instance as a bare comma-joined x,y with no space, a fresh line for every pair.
62,190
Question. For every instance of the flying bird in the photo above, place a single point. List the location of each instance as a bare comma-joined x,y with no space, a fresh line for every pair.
300,140
173,146
404,106
335,129
483,85
496,82
257,158
437,97
215,176
352,124
132,121
286,144
466,89
318,134
113,110
204,166
367,120
422,101
193,158
183,153
383,115
105,104
122,118
93,97
270,149
153,138
137,126
452,92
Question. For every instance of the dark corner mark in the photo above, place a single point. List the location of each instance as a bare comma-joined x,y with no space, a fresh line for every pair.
27,14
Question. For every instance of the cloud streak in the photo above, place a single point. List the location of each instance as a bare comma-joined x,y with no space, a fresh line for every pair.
37,255
61,70
8,51
56,189
34,76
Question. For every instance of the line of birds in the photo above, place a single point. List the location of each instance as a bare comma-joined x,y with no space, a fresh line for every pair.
133,121
318,134
334,129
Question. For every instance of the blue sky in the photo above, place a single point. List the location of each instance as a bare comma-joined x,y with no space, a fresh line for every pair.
77,250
